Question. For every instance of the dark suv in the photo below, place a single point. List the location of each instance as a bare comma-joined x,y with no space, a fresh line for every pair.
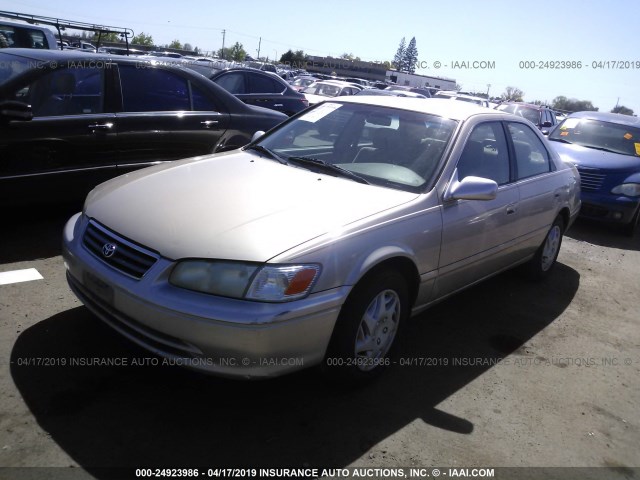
70,119
540,115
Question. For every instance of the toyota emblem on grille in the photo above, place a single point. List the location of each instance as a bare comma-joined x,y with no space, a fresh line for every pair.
108,249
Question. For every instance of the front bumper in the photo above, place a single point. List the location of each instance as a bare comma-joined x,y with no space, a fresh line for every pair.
609,208
217,335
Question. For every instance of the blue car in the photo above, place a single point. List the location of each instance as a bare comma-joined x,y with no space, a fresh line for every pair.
605,148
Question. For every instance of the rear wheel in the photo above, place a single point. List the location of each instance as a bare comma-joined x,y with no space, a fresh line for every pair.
367,331
545,258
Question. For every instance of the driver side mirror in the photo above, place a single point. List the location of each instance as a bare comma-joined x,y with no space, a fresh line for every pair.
472,188
257,135
12,110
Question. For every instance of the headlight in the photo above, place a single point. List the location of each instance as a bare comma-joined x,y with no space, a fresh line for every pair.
282,283
269,283
628,189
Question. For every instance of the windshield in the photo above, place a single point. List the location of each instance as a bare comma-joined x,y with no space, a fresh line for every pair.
613,137
324,89
302,82
384,146
11,66
468,99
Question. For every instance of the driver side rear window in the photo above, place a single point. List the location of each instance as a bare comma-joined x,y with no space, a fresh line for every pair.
152,89
532,157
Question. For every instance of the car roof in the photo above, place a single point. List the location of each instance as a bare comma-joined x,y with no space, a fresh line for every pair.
627,120
22,24
464,95
441,107
527,105
449,93
340,83
46,55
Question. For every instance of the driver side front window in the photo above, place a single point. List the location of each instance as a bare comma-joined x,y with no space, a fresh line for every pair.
485,154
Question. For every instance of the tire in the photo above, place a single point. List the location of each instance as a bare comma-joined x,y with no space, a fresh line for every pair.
367,332
542,263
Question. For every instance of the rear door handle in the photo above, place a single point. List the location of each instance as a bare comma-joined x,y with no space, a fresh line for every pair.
209,123
100,126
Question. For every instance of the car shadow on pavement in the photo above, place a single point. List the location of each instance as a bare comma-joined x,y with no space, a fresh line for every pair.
35,232
603,235
165,416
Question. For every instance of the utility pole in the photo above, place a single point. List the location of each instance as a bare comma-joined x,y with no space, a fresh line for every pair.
259,43
223,34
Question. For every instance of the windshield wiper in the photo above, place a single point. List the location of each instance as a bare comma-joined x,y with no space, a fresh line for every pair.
269,153
604,149
327,167
555,139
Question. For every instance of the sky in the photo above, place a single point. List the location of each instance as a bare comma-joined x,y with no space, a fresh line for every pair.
483,45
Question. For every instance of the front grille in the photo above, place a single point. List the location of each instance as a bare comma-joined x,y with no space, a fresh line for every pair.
118,252
590,181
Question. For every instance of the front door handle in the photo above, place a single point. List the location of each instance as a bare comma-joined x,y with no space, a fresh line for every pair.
511,209
209,123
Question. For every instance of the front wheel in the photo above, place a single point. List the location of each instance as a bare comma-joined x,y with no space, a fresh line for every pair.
366,334
545,257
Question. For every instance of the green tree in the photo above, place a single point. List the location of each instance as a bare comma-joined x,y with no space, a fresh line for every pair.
349,56
512,94
399,56
572,105
295,59
175,44
622,109
410,57
235,52
142,39
107,37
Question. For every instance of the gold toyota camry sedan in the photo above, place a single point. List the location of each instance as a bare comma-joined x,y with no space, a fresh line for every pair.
316,242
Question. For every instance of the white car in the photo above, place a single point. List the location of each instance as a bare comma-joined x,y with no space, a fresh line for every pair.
463,98
324,89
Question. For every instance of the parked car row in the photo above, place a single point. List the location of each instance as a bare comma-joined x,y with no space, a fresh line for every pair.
87,101
404,201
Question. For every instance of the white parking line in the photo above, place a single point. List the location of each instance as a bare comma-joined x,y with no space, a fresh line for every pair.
17,276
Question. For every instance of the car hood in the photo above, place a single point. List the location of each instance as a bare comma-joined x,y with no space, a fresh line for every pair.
312,98
236,206
592,158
